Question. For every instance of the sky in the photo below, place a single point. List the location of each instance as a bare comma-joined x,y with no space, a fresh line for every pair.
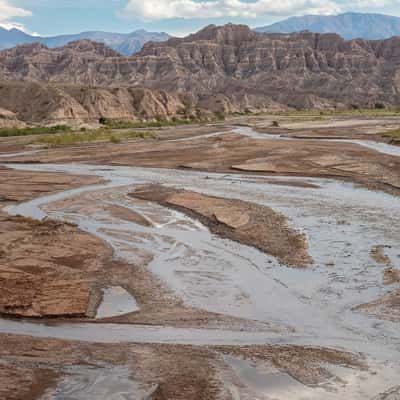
177,17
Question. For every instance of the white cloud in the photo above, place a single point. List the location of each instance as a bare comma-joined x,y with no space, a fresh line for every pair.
168,9
9,11
379,4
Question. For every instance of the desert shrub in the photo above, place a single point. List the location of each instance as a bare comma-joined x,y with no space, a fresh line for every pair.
6,132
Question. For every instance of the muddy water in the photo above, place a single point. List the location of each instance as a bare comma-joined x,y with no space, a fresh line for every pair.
116,301
267,381
383,148
103,382
342,223
21,153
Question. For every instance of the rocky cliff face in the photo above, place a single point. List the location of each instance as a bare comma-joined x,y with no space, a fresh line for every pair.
41,102
229,68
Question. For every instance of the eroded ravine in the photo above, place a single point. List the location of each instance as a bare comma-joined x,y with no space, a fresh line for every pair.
342,223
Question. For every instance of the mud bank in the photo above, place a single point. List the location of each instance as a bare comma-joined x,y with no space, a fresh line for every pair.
225,149
323,214
342,224
143,371
245,222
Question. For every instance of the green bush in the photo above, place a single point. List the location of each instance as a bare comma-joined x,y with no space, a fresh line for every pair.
114,139
7,132
150,124
98,135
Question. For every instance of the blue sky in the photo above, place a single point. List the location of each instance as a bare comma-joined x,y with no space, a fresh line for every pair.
179,17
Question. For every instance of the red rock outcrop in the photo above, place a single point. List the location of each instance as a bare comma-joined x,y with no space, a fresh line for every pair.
224,69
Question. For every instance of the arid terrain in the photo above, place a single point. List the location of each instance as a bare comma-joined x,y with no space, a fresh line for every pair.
255,258
218,70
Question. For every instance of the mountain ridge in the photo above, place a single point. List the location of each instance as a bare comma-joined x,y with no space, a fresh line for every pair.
349,25
220,69
124,43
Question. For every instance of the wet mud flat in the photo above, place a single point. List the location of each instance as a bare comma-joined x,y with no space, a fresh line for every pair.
17,186
57,282
75,370
203,300
245,222
136,240
78,275
44,266
242,149
208,281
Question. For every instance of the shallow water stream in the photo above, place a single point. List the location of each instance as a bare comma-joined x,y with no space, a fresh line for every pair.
384,148
310,307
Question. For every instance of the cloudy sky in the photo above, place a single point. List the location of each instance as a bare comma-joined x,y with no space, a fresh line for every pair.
179,17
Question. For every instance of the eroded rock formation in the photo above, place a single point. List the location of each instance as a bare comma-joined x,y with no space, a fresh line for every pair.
222,69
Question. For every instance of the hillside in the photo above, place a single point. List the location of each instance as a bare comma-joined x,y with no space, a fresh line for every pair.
126,44
223,69
349,25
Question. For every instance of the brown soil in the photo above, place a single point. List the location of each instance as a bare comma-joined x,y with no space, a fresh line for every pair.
378,254
20,383
391,275
235,153
177,372
245,222
66,279
128,215
387,307
18,186
56,282
305,364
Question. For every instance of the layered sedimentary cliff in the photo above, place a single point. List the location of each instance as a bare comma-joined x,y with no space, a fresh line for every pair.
224,69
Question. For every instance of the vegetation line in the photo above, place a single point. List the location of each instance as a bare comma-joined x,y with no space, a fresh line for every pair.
71,138
8,132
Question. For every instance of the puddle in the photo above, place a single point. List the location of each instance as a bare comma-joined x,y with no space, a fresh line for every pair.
22,153
266,382
205,136
116,301
226,277
98,383
341,221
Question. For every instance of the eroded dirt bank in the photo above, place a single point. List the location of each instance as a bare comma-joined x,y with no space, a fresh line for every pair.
45,266
54,369
183,276
18,186
223,148
245,222
68,278
250,372
59,281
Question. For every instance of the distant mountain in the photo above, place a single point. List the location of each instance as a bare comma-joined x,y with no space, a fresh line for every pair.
124,43
222,69
349,25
